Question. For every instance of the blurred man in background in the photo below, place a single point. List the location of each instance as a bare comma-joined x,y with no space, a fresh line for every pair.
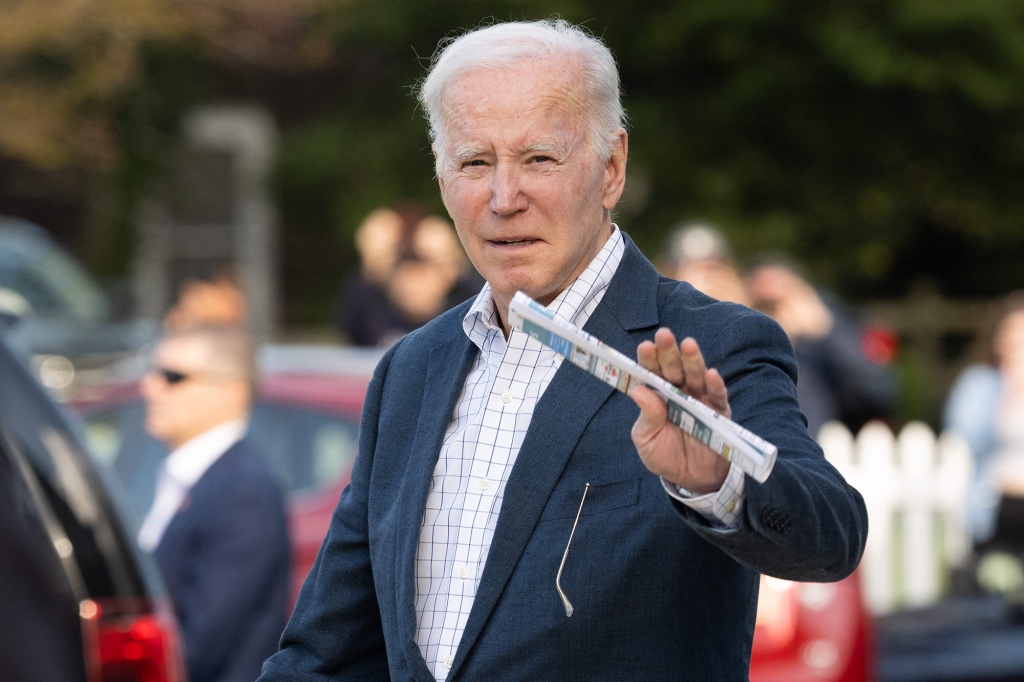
217,525
697,253
838,381
986,407
411,269
217,299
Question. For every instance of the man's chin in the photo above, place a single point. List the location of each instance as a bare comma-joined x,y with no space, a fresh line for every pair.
153,430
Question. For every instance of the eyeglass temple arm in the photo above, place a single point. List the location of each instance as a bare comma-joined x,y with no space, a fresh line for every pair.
565,555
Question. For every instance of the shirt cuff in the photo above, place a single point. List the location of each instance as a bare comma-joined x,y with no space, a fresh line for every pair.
722,507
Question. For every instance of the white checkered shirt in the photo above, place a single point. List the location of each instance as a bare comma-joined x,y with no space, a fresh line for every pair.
479,449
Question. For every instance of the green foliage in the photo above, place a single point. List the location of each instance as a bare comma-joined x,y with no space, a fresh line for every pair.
871,139
877,141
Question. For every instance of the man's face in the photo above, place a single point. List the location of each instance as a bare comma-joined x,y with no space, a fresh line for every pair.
530,199
185,396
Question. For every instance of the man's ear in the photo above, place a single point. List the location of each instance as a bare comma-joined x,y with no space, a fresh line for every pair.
615,171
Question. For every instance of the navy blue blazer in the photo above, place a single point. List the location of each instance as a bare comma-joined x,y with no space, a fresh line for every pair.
658,592
225,560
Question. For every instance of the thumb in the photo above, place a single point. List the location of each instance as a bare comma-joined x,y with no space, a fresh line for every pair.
653,412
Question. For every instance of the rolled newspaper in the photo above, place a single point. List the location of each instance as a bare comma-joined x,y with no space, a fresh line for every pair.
751,453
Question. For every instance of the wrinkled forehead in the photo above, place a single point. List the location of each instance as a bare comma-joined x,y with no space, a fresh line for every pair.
530,85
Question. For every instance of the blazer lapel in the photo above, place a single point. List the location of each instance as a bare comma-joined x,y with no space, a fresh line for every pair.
567,406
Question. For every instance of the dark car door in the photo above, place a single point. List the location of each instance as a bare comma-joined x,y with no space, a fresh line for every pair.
72,582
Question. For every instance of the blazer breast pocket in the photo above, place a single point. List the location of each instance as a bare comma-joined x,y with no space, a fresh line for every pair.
601,497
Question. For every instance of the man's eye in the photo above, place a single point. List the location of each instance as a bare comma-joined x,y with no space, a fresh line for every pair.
540,158
474,162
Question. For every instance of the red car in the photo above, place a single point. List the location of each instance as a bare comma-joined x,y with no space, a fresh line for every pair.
812,631
306,419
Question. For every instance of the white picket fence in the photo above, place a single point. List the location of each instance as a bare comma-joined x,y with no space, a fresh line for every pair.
915,486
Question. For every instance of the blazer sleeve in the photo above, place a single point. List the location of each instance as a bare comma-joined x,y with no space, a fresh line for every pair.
335,627
805,522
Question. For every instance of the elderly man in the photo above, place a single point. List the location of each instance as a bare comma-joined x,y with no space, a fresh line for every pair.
217,525
479,447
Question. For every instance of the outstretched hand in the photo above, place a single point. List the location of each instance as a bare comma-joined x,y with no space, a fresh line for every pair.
666,449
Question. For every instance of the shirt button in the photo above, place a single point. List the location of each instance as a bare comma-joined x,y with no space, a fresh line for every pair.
506,397
484,485
448,660
463,572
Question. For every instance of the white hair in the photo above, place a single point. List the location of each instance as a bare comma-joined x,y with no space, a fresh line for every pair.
498,45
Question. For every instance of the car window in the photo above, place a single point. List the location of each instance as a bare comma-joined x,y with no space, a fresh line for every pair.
86,528
41,636
50,281
117,439
307,449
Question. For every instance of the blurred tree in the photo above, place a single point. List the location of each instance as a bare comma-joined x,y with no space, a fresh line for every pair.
878,141
94,89
69,65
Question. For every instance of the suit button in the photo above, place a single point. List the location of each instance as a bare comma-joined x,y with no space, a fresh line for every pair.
775,520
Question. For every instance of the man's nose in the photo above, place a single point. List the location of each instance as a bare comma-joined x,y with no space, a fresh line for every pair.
506,191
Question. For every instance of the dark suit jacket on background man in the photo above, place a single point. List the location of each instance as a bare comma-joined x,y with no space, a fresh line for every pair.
227,545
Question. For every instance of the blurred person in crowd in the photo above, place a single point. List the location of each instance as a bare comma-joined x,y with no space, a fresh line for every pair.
217,526
837,379
411,269
986,407
510,516
700,255
433,275
365,313
434,240
214,300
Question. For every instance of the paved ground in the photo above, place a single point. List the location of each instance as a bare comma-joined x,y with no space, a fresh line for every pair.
963,639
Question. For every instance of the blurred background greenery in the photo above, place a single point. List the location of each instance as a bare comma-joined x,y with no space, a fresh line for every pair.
879,142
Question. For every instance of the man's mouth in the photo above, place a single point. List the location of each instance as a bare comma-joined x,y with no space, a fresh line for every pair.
513,242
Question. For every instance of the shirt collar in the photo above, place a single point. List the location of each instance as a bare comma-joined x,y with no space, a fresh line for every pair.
189,462
574,304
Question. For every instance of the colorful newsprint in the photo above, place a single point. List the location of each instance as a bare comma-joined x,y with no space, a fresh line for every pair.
754,455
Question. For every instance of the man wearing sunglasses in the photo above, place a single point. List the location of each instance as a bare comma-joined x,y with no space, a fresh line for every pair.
217,526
